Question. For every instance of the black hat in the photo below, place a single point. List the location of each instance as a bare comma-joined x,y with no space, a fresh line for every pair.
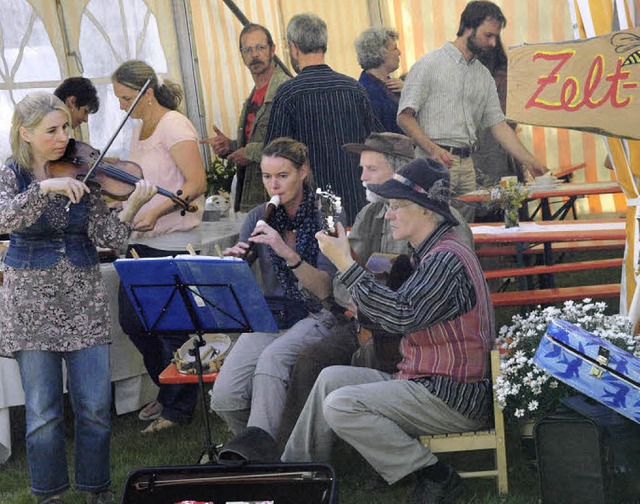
393,144
423,181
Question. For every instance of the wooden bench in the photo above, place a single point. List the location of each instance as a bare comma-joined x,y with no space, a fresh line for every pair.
555,268
558,247
555,295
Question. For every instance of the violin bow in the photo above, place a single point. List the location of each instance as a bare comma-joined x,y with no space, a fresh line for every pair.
115,134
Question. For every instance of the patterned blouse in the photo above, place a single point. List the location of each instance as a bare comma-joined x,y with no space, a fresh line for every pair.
63,308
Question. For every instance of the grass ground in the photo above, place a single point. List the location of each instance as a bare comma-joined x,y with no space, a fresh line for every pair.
180,446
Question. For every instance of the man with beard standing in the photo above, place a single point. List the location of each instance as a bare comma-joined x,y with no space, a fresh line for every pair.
449,95
258,51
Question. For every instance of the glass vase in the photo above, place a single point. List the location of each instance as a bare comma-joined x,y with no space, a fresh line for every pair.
511,218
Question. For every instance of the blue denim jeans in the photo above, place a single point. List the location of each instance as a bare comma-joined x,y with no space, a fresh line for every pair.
179,401
89,385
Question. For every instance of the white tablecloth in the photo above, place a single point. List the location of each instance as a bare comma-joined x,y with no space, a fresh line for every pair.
223,233
133,387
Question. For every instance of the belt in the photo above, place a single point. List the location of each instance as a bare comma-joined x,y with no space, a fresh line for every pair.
461,152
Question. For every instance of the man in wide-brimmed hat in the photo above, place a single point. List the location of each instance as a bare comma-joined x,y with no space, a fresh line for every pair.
381,155
444,310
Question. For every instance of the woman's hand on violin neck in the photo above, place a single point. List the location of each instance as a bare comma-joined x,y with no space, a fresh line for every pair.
66,186
143,192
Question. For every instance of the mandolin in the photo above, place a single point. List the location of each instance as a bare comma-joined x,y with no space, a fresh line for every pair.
330,207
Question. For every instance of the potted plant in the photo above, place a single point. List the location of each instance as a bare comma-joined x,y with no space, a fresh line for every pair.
220,175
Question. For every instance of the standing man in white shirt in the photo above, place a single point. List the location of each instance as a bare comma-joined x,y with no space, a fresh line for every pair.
449,95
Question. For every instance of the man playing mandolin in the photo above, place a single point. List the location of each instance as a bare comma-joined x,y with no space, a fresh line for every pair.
445,312
251,388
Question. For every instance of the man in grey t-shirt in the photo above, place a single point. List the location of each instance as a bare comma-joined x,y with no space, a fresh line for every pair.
449,95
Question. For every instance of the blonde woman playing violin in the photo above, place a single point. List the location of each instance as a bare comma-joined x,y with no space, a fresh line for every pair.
54,304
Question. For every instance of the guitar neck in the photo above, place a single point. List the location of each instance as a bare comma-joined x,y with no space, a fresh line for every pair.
330,207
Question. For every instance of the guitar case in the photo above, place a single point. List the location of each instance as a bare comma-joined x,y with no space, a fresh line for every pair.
224,484
587,453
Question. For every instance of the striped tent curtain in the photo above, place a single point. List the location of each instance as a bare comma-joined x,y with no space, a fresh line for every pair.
226,82
423,25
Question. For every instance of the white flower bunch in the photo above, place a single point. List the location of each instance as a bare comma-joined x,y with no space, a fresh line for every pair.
524,390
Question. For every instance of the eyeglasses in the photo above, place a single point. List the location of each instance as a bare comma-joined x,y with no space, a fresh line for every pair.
388,207
258,48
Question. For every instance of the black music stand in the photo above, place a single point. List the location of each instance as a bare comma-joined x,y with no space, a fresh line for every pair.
195,294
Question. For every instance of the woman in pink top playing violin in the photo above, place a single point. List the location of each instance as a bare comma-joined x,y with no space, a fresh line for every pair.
165,145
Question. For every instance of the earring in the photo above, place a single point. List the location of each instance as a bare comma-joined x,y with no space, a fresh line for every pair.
149,102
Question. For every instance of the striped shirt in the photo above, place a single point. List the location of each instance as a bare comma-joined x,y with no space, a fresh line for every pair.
453,98
444,310
325,110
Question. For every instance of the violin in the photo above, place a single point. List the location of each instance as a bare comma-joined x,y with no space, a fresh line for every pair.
115,178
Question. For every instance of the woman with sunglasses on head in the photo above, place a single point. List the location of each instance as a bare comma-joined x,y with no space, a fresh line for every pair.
165,145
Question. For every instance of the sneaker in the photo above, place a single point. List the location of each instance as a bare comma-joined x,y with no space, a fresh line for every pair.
151,411
431,492
105,497
159,424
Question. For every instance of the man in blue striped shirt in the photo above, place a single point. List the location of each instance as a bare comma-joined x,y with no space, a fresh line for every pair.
324,110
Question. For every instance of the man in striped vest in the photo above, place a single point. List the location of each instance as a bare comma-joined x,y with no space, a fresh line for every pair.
444,310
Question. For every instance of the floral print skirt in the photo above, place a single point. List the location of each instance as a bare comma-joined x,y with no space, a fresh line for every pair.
63,308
